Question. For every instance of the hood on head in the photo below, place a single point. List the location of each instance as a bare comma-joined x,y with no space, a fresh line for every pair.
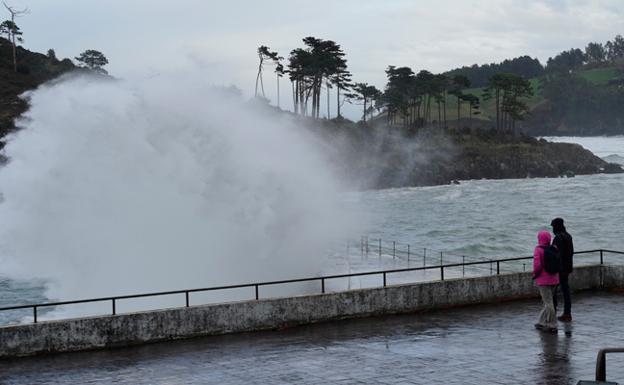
543,238
557,225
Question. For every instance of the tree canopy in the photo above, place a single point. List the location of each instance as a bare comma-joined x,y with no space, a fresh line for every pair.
367,95
93,60
479,75
508,91
320,62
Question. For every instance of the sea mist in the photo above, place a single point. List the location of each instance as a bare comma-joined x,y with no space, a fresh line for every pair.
118,187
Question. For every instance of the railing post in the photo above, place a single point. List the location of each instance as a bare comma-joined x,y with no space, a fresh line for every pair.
601,363
384,279
463,265
114,308
491,267
497,267
323,285
424,257
601,256
441,272
187,298
601,367
35,313
257,294
524,267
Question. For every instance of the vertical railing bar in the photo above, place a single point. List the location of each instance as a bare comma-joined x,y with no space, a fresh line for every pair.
497,267
257,293
384,279
187,298
601,256
114,307
441,272
323,285
393,249
408,252
463,265
35,313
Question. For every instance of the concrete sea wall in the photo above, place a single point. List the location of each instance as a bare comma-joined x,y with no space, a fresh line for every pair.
162,325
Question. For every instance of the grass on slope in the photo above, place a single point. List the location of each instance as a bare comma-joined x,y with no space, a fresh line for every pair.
597,76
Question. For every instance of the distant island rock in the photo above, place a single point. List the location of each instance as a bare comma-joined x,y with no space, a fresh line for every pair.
444,156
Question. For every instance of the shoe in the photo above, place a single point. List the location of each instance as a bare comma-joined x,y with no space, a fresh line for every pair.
539,326
550,330
565,318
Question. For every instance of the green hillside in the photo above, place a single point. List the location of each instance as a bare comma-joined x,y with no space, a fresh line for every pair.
33,69
602,76
596,76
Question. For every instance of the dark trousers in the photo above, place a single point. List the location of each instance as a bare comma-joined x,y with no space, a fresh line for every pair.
565,290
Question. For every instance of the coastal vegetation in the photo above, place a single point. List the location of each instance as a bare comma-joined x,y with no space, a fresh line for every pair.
422,128
576,92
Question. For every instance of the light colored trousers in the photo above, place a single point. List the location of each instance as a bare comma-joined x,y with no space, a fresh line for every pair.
548,316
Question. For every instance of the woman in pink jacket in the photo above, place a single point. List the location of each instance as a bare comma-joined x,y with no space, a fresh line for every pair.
546,283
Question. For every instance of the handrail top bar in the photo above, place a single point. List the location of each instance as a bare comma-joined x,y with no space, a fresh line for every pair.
269,283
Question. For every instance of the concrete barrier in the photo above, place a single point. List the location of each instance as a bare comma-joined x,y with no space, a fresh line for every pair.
170,324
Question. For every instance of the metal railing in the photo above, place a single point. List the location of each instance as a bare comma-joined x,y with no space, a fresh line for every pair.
322,280
601,362
407,252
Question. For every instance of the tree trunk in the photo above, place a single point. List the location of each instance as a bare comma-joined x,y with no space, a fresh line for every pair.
439,115
14,54
429,109
278,92
262,86
318,97
328,112
364,112
258,77
338,100
418,116
292,86
497,109
302,101
458,111
444,101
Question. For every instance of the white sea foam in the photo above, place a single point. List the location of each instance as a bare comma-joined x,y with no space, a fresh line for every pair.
118,187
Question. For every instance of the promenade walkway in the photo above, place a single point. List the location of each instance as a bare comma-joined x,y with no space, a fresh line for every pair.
488,344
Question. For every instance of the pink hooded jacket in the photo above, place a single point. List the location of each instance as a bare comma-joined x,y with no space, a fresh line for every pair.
543,277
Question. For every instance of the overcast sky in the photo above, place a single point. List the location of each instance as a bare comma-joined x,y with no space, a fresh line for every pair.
142,38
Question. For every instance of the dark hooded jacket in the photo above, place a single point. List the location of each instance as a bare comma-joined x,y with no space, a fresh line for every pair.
564,244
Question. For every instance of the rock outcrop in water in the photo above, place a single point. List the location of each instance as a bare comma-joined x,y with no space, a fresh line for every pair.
382,158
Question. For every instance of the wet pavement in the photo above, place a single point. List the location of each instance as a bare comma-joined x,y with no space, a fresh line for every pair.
489,344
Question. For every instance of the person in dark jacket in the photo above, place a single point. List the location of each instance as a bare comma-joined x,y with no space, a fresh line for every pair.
563,242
